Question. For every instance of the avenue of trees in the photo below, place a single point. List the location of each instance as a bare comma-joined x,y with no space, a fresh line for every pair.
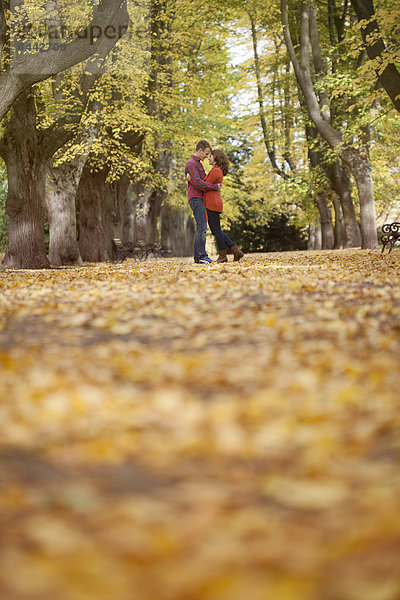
102,102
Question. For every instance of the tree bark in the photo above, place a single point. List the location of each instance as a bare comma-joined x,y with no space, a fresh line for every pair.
327,235
190,232
26,169
95,227
315,154
288,118
61,214
148,209
338,230
172,229
177,230
340,183
361,169
121,208
314,237
105,213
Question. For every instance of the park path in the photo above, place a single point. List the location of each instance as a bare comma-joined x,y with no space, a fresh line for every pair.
178,432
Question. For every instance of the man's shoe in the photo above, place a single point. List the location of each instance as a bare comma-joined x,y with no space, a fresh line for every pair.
205,261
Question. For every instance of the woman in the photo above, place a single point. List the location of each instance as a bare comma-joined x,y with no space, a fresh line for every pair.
213,202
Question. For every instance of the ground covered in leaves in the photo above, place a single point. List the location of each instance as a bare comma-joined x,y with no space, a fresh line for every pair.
170,431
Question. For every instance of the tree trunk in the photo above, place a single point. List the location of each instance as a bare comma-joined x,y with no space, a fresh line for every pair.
150,200
61,213
128,216
339,229
172,229
148,209
105,213
177,230
26,169
340,183
327,235
142,208
190,232
314,237
121,208
95,226
362,172
315,157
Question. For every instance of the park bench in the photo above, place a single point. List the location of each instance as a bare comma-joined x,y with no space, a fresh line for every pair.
165,251
137,250
154,249
391,235
121,250
157,250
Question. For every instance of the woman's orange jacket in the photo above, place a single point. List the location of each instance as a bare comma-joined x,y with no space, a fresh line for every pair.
213,200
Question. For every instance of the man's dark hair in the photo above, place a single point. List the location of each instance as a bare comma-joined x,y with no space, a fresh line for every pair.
202,145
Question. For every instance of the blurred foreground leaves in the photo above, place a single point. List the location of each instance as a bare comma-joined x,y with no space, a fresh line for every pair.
179,432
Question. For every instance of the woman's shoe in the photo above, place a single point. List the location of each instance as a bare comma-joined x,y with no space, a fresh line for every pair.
237,253
222,257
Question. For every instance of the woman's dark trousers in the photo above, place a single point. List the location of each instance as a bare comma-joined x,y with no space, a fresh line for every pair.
223,240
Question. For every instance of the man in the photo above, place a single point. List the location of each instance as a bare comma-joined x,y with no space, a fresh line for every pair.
195,174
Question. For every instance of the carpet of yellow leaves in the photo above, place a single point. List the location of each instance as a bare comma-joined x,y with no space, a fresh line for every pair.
170,431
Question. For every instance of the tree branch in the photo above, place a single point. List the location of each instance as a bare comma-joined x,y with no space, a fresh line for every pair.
318,62
376,49
270,150
3,29
39,66
303,74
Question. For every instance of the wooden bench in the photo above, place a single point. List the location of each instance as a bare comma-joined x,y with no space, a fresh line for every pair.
137,250
153,249
165,251
391,235
121,250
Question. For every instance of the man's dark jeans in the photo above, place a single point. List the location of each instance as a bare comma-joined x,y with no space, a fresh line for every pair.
199,212
223,240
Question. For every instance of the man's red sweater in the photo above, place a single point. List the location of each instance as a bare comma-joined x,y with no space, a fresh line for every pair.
197,176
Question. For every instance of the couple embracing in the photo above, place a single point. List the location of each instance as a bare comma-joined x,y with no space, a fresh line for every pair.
204,194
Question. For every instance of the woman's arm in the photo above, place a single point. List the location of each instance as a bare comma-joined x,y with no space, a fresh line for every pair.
199,183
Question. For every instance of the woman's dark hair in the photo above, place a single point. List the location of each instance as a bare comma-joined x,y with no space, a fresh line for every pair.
221,160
